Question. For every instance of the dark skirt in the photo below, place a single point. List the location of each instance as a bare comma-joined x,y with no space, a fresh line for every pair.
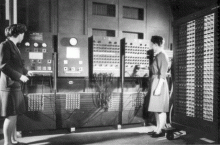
11,103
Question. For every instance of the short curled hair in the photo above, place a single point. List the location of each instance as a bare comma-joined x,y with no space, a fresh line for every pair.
15,29
157,39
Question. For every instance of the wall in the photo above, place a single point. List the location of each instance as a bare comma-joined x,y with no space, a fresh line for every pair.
75,16
102,22
36,14
159,20
129,24
71,18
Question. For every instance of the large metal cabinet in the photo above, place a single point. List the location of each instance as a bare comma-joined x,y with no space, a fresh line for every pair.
196,65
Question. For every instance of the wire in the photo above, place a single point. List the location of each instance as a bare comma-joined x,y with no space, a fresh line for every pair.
171,108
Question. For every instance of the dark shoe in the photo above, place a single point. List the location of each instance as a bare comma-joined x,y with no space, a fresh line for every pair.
151,133
155,135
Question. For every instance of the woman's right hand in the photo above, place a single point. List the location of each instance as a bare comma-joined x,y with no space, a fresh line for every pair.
24,79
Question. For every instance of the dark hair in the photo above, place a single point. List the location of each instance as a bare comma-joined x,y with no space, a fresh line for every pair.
157,39
14,30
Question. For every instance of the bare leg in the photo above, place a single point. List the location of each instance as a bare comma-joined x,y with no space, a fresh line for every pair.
8,129
14,133
162,118
157,121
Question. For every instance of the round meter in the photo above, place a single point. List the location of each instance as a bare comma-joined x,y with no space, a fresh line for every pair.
27,44
44,44
73,41
36,44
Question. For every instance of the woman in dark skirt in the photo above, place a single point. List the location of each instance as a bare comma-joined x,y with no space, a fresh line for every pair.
159,95
13,74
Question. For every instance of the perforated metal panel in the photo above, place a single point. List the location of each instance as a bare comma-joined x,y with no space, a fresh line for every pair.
196,74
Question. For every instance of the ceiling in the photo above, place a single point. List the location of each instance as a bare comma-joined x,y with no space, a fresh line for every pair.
182,8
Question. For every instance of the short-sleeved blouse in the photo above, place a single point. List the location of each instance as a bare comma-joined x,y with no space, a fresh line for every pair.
160,65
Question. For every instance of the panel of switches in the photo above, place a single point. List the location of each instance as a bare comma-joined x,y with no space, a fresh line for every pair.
136,58
199,25
180,70
106,55
190,69
208,72
194,69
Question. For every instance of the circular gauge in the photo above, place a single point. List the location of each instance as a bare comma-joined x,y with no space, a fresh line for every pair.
27,44
44,44
73,41
36,44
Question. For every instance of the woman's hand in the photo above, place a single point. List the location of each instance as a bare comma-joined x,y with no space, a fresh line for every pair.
29,73
157,91
24,79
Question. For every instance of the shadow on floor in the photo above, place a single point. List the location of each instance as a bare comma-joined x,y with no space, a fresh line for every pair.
86,138
114,138
100,136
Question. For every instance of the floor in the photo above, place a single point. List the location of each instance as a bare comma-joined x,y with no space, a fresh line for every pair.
129,135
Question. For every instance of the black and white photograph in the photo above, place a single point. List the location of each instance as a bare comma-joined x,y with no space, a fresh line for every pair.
109,72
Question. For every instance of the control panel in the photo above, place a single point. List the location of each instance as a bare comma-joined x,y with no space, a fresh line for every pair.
136,61
208,68
72,55
37,51
105,55
194,69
